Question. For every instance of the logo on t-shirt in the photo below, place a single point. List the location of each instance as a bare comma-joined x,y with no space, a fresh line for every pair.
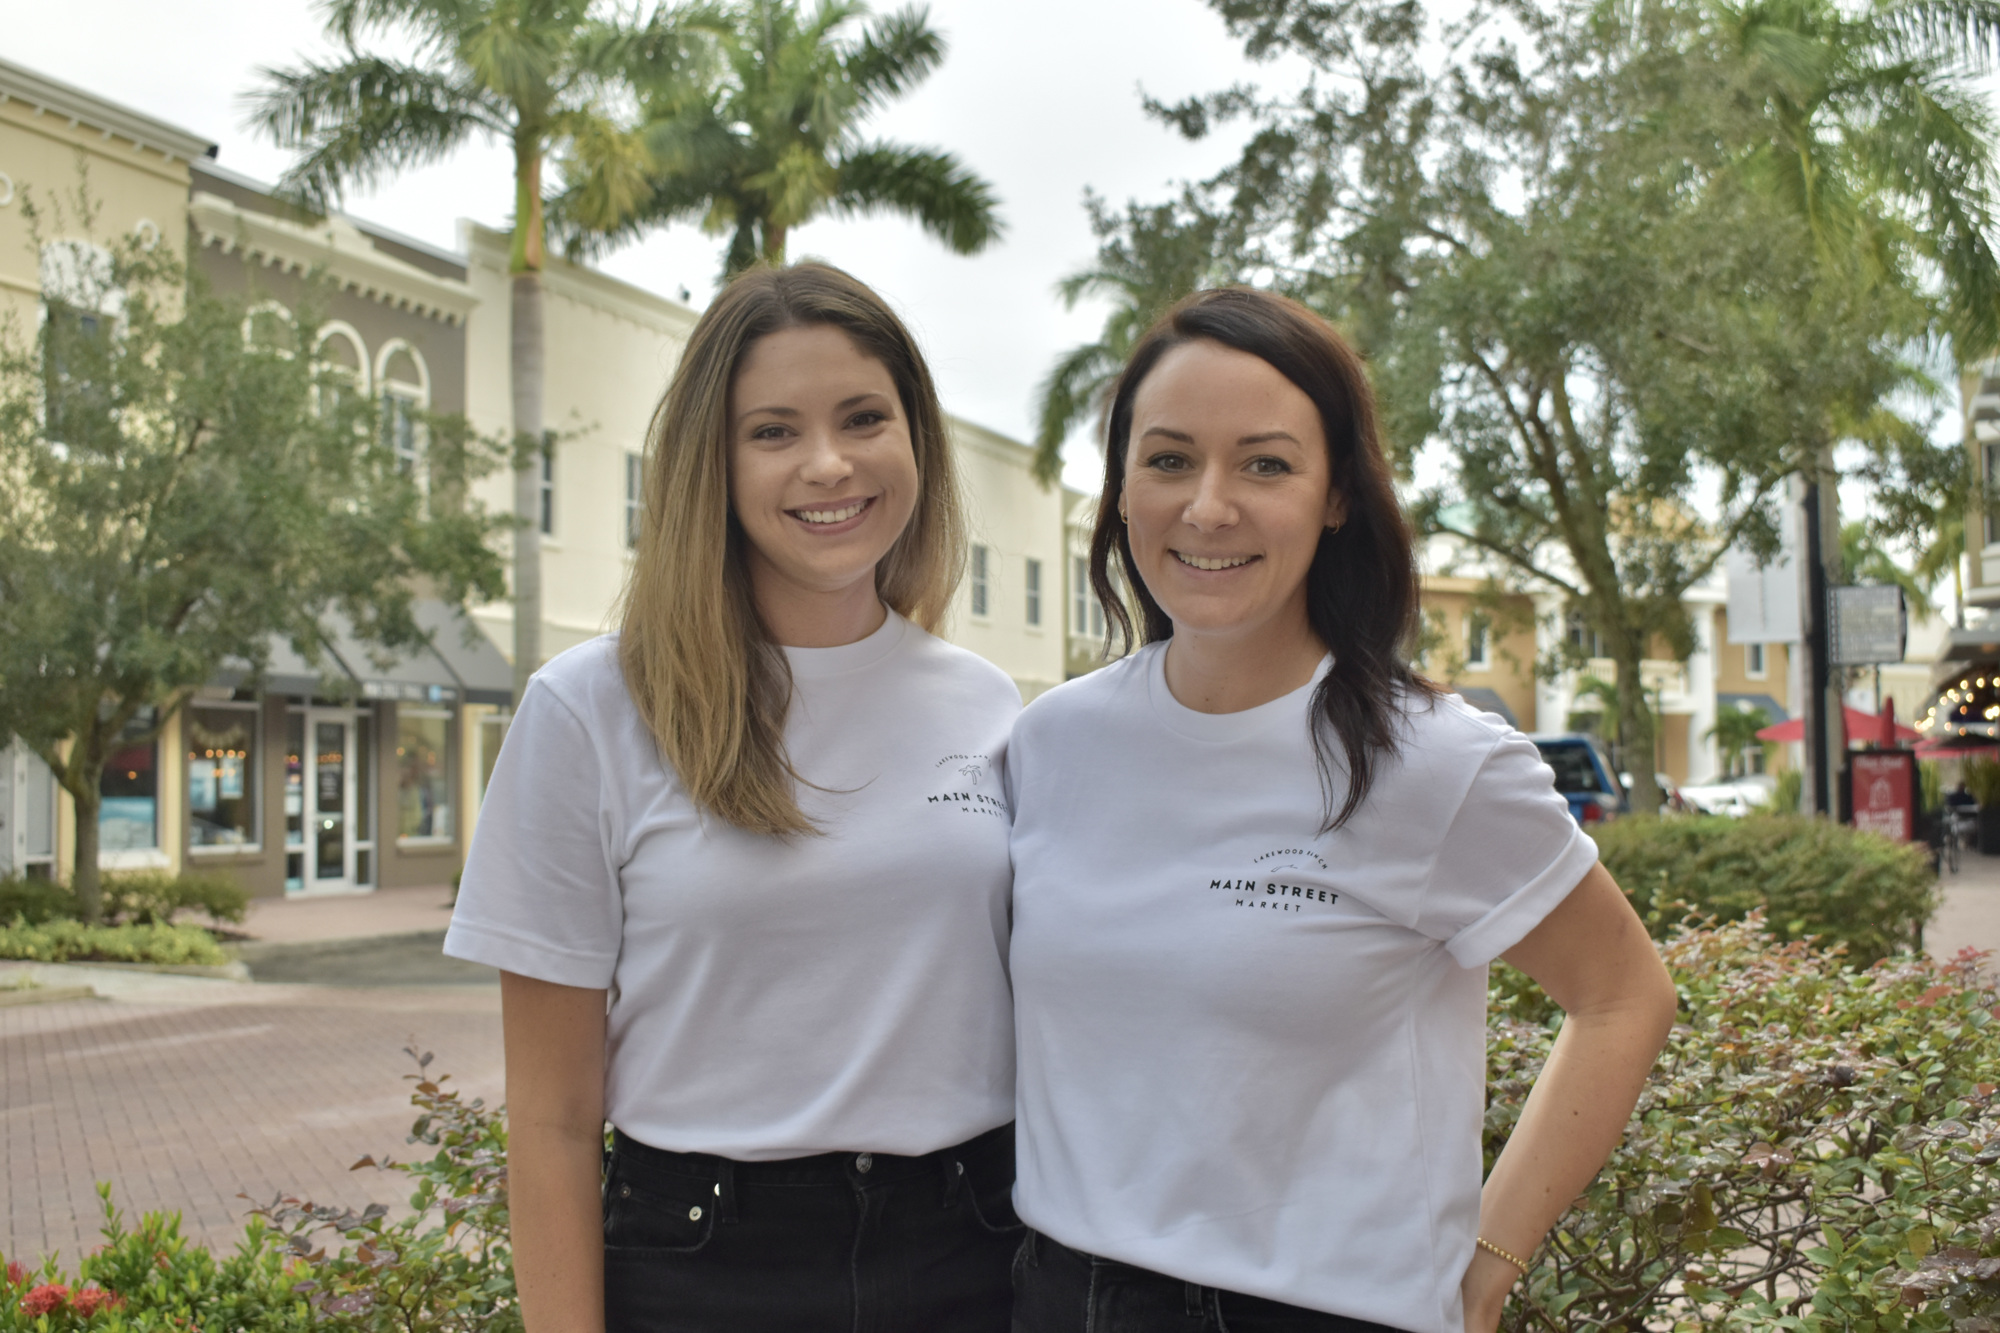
1269,887
969,787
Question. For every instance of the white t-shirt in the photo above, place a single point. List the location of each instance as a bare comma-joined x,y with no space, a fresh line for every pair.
770,998
1252,1055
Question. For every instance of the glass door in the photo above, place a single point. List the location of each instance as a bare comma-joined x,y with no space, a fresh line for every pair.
321,815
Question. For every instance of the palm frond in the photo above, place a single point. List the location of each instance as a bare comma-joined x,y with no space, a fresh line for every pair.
1074,389
364,118
933,188
1967,31
606,170
899,52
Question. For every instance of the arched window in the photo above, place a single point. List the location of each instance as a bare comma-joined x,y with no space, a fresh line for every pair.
339,349
403,382
268,324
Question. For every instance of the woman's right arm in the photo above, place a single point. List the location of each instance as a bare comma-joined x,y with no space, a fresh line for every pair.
555,1150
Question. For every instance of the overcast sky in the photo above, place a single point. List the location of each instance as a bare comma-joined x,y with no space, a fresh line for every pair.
1039,96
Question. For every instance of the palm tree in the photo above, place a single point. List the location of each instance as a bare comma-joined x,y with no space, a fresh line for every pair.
1943,552
1877,131
1866,562
776,140
1734,732
1146,261
537,74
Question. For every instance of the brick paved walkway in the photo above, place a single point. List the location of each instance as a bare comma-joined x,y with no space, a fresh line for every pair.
181,1106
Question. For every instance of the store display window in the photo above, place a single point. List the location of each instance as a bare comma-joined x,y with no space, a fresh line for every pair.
222,776
128,816
423,774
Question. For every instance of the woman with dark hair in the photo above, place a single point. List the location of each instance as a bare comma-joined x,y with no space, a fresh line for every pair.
1260,869
726,870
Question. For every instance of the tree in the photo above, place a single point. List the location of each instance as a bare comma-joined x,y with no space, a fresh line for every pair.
178,499
1555,232
540,75
1734,733
1147,259
775,140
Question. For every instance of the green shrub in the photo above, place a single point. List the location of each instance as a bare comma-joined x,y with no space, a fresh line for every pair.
1811,876
1982,779
149,897
62,941
130,897
1816,1150
1786,793
35,901
301,1267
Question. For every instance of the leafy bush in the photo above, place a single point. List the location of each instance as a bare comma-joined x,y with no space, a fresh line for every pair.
446,1268
148,897
1816,1151
139,898
63,941
1786,792
1811,876
35,901
1982,779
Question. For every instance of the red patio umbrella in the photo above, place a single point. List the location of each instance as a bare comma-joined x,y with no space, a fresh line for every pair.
1860,727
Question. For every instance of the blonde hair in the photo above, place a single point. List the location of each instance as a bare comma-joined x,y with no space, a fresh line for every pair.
709,682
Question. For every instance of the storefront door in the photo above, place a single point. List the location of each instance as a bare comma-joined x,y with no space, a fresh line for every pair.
328,833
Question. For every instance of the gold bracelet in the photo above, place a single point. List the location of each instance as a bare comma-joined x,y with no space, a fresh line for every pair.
1491,1248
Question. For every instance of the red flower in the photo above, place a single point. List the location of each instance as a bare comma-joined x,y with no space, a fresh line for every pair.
90,1300
17,1273
45,1299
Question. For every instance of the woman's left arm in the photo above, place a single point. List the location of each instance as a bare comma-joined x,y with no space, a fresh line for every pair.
1594,959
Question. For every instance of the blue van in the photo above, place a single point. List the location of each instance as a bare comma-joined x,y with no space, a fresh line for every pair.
1585,776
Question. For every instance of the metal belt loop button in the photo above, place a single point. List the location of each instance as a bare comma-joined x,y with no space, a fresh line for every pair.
865,1163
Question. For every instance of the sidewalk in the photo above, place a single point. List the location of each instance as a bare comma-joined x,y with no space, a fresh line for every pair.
349,916
1970,916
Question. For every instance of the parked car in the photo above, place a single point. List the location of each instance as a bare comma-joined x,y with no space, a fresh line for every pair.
1735,798
1670,795
1585,776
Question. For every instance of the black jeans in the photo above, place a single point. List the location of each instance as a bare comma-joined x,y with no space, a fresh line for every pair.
838,1243
1060,1290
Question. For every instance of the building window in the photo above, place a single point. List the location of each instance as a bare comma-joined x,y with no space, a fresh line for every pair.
1079,595
1992,494
981,589
1034,592
635,496
1478,629
128,816
423,773
222,777
1586,641
545,485
399,431
1753,660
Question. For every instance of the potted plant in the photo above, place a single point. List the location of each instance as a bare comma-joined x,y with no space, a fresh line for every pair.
1982,779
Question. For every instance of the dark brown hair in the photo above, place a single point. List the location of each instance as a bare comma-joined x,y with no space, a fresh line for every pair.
1361,591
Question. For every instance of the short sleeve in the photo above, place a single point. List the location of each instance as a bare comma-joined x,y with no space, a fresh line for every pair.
539,896
1512,853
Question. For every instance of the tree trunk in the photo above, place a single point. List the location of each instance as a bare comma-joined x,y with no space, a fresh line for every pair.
774,244
525,373
527,386
86,880
1635,728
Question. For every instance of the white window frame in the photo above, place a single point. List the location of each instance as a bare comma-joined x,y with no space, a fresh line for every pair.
451,777
1032,601
980,583
415,393
545,486
1756,661
256,768
1479,645
635,497
1079,595
358,373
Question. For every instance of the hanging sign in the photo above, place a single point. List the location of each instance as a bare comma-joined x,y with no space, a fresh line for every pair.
1882,794
1867,625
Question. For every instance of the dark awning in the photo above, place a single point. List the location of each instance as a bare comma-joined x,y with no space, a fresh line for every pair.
459,664
1773,710
1486,701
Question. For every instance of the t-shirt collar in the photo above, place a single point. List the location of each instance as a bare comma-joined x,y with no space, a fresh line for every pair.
819,663
1283,711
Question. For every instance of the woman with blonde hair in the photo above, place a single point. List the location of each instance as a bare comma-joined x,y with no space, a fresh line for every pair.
743,867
